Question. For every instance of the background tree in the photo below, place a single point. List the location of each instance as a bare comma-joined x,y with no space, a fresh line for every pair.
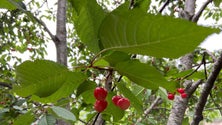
126,50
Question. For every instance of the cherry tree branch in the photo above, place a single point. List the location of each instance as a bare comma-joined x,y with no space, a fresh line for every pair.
40,22
5,85
190,90
198,116
198,14
147,111
202,62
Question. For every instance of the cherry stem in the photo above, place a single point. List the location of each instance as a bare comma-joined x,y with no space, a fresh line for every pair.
94,122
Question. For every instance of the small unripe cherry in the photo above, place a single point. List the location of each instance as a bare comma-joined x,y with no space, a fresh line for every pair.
100,93
180,90
183,95
100,105
170,96
123,103
115,99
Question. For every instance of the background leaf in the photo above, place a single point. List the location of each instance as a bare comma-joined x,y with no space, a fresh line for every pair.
217,3
24,119
8,5
63,113
47,120
134,31
114,57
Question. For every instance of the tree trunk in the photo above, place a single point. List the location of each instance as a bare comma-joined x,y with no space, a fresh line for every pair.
180,104
60,41
61,44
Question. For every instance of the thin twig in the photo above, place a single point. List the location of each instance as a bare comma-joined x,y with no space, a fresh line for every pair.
96,56
53,37
214,102
5,85
29,14
83,121
198,14
202,62
211,55
147,111
164,6
132,2
97,115
117,81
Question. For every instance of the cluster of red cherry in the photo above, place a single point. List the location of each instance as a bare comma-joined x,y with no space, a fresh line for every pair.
101,103
182,92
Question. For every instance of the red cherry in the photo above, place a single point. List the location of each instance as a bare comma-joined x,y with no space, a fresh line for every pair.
100,93
170,96
100,105
115,99
183,95
2,103
123,103
180,90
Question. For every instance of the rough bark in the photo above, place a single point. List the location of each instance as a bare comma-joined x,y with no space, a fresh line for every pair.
198,116
60,41
180,104
61,45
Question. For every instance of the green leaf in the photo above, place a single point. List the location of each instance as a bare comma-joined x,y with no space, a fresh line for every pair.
142,4
144,75
89,16
18,4
134,31
63,113
86,90
47,120
101,63
85,86
134,101
195,75
46,81
114,57
6,4
217,3
163,94
88,96
24,119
